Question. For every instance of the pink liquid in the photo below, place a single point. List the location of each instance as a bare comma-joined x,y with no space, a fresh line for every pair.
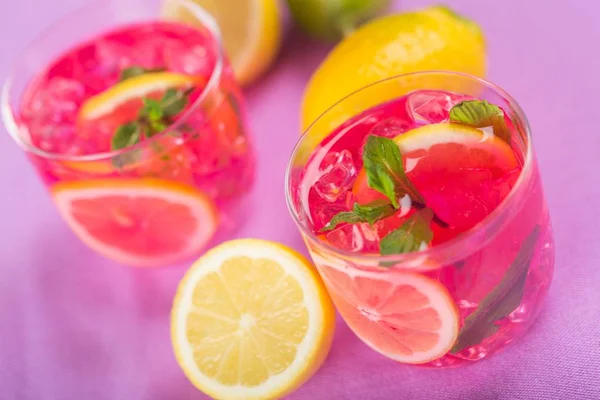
462,185
212,155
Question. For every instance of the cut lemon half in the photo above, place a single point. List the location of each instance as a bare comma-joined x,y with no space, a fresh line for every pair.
135,88
251,31
405,316
251,320
139,222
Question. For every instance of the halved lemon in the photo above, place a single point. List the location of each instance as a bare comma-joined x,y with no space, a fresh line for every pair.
251,31
139,222
251,320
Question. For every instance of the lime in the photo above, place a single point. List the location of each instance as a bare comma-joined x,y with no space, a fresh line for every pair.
331,20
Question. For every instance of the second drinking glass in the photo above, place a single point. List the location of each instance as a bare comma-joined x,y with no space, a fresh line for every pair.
138,129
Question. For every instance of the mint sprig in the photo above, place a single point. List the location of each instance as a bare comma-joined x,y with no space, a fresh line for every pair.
370,213
501,301
385,171
481,114
413,235
384,167
154,117
126,135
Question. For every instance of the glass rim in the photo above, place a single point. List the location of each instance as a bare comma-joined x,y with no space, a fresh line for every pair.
7,115
452,246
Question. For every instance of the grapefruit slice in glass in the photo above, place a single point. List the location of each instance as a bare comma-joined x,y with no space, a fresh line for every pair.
139,222
405,316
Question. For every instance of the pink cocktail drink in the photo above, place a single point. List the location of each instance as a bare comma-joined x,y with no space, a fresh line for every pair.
138,130
423,210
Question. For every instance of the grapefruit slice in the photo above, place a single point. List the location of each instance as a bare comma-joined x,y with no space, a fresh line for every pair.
403,315
139,222
462,172
251,320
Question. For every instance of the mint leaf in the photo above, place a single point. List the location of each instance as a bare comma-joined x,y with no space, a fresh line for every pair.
125,136
481,114
152,110
385,172
155,127
136,71
370,213
411,236
173,102
237,110
501,301
153,117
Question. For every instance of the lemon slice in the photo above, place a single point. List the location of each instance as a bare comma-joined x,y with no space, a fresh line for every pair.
133,88
251,31
424,137
251,320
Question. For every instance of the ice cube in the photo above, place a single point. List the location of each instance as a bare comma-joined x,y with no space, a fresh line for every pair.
391,127
195,60
102,64
371,238
56,102
53,137
113,55
429,107
338,173
347,237
323,211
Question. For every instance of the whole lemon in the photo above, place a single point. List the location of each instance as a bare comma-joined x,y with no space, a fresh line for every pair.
434,38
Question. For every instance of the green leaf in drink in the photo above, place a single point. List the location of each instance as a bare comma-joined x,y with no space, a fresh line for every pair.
370,213
125,136
501,301
152,110
414,234
154,117
134,71
385,173
173,102
481,114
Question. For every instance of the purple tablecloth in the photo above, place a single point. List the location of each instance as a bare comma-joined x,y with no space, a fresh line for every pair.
74,326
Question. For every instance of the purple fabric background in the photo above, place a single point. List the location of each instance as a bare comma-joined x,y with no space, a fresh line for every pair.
74,326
